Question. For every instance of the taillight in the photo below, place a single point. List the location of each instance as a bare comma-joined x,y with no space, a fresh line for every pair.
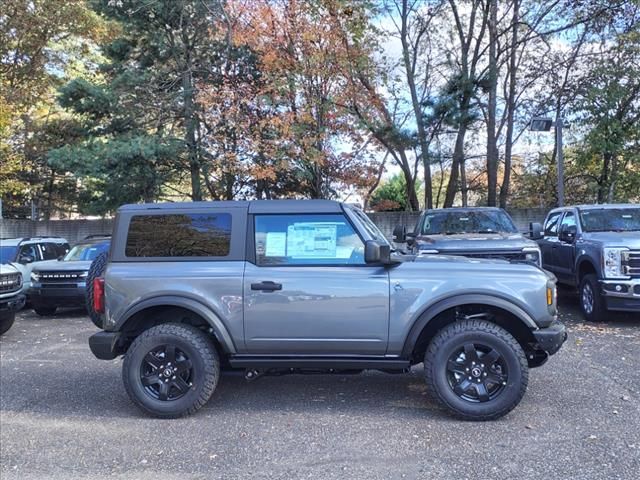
98,294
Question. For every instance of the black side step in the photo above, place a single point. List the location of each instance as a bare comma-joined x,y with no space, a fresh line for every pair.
338,363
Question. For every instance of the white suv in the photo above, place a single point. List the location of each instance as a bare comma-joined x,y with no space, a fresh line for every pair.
25,253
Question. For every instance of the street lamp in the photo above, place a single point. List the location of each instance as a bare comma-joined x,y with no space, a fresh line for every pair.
544,124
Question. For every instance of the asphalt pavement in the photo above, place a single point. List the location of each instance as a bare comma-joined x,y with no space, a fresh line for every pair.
65,415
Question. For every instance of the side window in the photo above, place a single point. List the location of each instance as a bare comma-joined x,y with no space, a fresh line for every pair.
179,235
306,240
551,227
31,251
569,219
49,251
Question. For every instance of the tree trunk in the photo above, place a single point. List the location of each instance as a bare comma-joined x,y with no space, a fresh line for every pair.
511,107
190,123
417,110
458,158
492,145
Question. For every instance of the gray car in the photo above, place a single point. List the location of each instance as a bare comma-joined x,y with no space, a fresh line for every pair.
476,232
596,248
272,287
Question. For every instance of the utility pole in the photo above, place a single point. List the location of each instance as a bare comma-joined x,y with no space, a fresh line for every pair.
560,160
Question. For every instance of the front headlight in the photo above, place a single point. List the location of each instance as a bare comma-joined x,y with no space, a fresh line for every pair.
612,262
532,255
35,277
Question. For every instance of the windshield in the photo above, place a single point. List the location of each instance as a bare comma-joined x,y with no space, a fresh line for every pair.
457,222
85,251
369,226
611,220
8,254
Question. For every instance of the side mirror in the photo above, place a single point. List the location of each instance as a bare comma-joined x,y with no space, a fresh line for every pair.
24,259
411,239
375,252
535,231
568,233
400,234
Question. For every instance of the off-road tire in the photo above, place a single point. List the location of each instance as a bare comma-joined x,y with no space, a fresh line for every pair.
598,311
6,322
479,333
198,348
96,270
45,311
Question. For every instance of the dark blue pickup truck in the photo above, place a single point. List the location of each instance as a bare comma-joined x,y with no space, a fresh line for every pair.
596,248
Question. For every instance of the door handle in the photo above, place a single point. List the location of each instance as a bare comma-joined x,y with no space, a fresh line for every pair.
266,286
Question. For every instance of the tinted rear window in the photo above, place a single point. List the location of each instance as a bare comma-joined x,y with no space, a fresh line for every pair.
179,235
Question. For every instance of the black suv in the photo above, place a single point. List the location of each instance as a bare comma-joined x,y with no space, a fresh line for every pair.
62,282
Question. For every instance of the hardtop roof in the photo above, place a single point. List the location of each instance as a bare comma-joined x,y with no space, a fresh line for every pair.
253,206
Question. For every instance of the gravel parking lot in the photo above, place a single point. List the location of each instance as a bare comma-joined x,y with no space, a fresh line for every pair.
65,415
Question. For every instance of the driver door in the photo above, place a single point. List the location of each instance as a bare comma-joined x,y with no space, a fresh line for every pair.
307,289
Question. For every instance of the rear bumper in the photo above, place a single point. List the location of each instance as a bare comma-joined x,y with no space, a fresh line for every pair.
551,338
12,304
104,345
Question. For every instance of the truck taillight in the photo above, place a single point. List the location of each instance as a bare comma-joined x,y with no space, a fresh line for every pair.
98,294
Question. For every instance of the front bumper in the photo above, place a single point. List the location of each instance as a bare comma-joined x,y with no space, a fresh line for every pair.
622,295
551,338
52,296
12,304
105,345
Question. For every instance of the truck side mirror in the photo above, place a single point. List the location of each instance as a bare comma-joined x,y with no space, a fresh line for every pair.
535,231
376,252
400,234
568,233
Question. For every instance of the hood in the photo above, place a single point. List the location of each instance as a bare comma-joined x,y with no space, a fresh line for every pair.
58,266
457,259
6,268
474,242
615,239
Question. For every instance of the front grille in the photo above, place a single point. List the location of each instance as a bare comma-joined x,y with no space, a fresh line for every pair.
10,282
509,256
632,266
61,277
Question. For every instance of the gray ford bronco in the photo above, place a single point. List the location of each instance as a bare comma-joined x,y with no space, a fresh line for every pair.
304,286
596,248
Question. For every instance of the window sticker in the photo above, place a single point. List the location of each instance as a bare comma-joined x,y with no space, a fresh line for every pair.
312,240
276,244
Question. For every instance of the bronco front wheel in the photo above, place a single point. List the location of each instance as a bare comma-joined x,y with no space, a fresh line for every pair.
171,370
476,369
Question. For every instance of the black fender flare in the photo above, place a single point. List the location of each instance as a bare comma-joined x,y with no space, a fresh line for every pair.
220,331
458,300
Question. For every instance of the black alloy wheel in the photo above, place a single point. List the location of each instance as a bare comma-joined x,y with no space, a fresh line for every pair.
477,372
166,373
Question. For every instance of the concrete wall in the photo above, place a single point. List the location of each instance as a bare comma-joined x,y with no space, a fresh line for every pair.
74,230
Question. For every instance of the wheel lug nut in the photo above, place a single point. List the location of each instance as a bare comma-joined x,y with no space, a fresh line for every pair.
482,365
469,378
466,369
485,374
473,363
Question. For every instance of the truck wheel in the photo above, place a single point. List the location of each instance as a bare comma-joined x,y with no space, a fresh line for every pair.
171,370
6,322
45,311
591,301
476,369
95,270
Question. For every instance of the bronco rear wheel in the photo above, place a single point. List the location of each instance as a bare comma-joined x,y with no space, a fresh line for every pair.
171,370
476,369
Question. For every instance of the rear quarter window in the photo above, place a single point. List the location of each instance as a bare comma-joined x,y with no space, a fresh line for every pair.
179,235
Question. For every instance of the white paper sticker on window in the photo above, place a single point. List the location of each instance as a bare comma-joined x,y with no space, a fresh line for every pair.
276,244
311,240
